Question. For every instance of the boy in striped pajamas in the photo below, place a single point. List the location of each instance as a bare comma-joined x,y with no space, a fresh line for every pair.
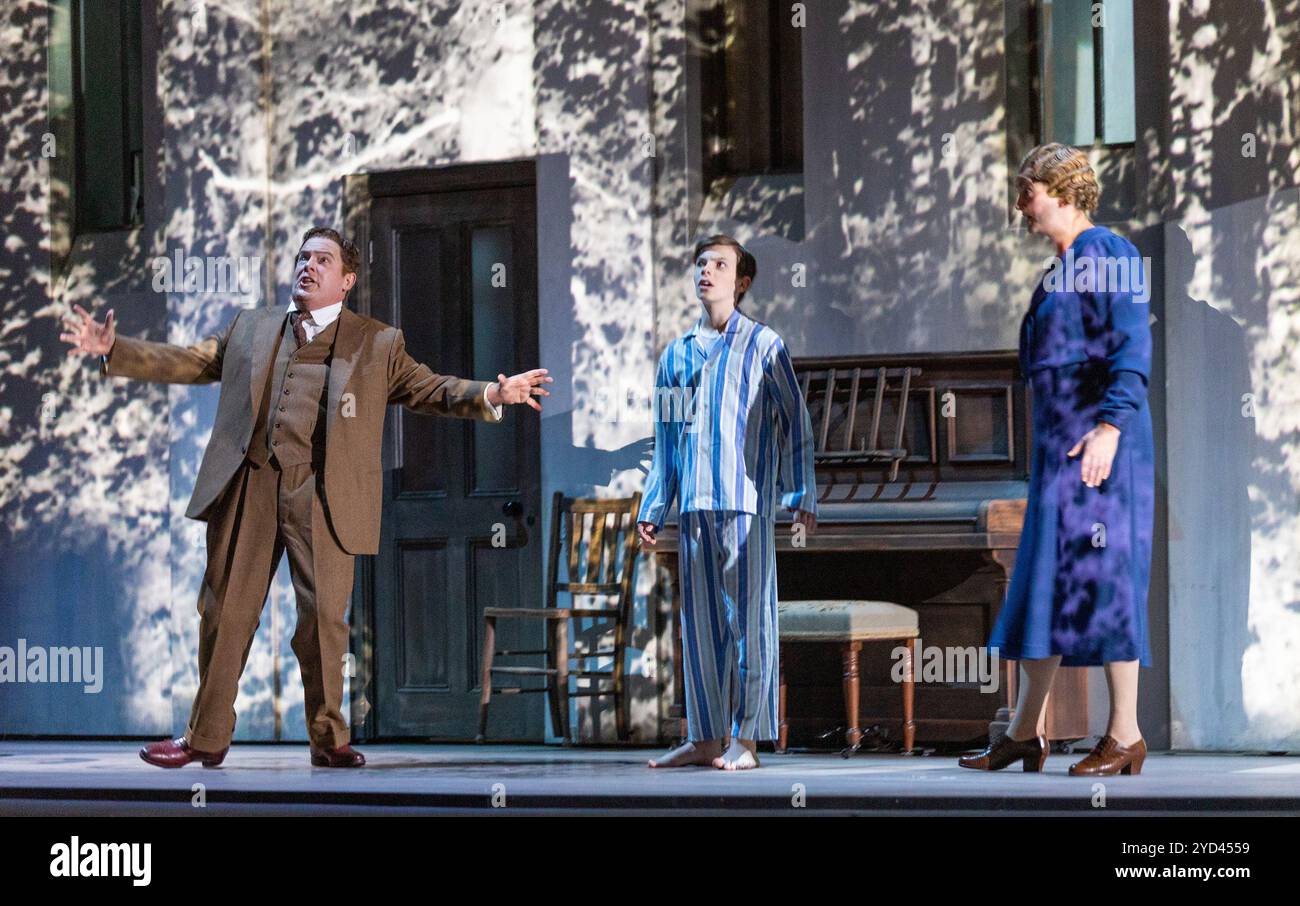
733,441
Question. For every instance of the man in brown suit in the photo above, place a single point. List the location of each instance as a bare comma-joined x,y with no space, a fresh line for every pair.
293,464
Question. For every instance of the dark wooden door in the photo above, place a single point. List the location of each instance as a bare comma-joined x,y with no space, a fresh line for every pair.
456,270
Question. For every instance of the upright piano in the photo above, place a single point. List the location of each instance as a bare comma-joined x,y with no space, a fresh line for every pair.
922,465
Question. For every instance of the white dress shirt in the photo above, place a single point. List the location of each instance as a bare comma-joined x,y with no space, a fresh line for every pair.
324,317
319,319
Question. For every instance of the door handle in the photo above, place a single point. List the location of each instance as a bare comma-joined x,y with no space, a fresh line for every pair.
514,509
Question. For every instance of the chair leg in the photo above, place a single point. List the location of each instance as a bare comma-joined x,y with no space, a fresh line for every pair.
853,735
782,731
485,680
909,691
552,687
621,716
562,677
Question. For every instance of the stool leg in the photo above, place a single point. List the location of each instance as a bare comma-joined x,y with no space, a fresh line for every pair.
853,735
783,732
909,690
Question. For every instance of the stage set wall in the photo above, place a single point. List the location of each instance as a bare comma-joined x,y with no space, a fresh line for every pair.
900,224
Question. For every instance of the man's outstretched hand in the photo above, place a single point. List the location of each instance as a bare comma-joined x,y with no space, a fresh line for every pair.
522,388
88,336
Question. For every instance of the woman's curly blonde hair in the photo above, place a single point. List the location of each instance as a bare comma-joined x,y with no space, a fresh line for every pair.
1066,173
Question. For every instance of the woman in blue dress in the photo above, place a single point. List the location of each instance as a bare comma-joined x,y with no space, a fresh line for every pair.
1078,592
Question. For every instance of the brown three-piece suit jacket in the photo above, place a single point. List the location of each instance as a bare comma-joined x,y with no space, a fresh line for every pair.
369,362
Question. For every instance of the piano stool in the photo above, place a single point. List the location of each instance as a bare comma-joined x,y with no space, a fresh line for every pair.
850,623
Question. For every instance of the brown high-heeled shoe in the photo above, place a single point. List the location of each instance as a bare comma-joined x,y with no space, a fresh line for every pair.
1109,757
1007,751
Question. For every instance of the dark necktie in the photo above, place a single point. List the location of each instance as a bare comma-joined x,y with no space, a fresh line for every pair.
298,320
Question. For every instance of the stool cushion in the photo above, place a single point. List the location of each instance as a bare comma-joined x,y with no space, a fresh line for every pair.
845,621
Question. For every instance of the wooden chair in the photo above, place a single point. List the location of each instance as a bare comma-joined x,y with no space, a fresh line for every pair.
849,624
601,562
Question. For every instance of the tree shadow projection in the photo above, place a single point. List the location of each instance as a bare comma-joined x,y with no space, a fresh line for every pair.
907,244
83,470
592,82
1233,164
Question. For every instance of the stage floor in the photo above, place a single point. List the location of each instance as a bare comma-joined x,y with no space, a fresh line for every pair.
108,778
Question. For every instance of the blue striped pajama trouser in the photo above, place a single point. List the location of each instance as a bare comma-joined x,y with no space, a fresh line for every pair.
727,564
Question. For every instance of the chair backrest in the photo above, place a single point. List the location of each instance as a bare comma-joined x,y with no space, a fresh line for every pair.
594,548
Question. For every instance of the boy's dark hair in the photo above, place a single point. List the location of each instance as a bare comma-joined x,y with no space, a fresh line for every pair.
746,264
351,257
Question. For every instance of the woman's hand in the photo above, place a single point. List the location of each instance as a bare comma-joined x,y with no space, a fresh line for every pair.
1098,446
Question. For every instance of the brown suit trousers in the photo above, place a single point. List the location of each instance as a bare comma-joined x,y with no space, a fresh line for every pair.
265,512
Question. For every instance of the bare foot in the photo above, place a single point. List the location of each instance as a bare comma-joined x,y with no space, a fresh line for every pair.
741,755
689,753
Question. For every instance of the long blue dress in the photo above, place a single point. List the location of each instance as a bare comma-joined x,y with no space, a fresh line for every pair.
1079,586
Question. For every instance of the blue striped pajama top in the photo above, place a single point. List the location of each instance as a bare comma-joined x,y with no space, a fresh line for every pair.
731,428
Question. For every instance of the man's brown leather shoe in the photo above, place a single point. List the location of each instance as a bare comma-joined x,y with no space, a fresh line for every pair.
176,753
342,757
1109,757
1007,751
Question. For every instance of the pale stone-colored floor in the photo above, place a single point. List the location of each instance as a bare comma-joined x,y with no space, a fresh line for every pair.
109,778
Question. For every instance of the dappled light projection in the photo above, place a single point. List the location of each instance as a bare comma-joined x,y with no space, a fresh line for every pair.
83,461
894,234
595,139
907,246
928,259
1233,304
256,126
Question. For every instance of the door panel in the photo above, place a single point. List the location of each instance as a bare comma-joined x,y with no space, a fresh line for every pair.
456,271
